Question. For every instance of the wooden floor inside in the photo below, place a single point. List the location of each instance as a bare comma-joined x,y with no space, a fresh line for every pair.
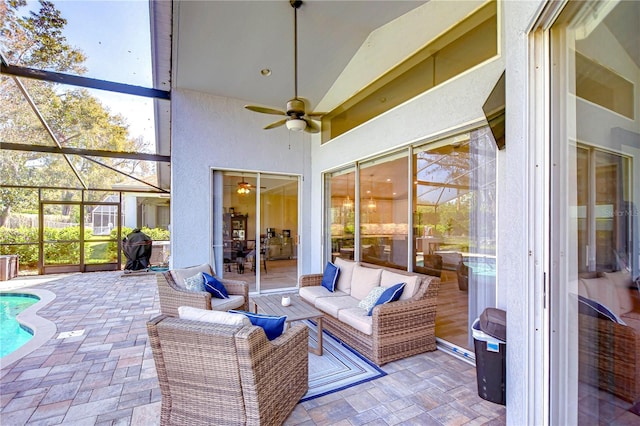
452,312
279,274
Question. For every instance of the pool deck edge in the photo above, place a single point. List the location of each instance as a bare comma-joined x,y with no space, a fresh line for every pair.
43,329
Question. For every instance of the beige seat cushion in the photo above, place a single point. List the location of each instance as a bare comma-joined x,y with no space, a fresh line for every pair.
389,278
312,293
179,275
358,319
346,274
234,301
364,280
332,305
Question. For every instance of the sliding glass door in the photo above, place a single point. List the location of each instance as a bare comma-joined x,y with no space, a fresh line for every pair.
256,228
430,209
455,228
594,234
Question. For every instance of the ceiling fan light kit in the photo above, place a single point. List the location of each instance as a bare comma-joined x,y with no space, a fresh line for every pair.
298,119
296,124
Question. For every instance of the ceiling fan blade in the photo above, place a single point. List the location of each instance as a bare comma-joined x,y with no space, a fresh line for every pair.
276,124
311,127
264,110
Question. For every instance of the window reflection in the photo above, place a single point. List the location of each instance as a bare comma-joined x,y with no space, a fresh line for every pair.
595,150
455,228
384,206
342,187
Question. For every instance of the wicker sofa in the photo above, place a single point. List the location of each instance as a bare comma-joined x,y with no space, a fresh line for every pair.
609,351
173,294
214,374
395,330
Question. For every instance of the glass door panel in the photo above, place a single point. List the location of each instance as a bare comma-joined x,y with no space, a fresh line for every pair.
384,206
595,243
279,231
455,228
238,225
341,191
258,237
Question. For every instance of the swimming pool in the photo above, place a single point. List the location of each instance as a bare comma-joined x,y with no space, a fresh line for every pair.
12,334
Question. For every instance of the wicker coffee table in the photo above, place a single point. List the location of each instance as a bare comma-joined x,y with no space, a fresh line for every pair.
298,310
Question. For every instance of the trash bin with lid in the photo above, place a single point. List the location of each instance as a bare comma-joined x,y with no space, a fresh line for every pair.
489,337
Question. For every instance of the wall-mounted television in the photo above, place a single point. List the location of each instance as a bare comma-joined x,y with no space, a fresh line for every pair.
494,111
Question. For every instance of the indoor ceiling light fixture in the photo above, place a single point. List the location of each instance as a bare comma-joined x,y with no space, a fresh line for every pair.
371,205
244,188
347,204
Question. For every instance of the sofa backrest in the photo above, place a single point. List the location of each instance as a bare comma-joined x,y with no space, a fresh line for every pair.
610,289
346,272
179,275
363,277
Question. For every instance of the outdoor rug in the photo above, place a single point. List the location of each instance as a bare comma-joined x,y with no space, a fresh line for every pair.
339,367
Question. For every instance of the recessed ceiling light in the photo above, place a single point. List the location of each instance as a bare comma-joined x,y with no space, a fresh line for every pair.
265,72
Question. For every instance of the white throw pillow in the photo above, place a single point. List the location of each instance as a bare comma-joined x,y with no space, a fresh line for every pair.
215,317
195,283
371,299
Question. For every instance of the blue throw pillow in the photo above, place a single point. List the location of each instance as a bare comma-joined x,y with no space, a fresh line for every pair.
330,276
273,326
595,309
215,287
390,294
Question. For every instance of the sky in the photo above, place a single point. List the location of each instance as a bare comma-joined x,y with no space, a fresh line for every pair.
115,37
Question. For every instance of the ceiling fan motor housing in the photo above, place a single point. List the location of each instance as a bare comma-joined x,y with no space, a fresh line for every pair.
295,108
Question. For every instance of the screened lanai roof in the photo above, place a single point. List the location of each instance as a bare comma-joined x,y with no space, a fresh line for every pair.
85,95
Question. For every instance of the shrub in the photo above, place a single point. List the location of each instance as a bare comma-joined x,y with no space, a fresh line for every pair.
23,241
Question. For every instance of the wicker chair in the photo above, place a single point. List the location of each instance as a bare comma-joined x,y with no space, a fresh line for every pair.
172,295
213,374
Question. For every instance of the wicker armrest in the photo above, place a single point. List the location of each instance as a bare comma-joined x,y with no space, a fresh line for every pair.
310,280
237,287
172,296
608,356
274,374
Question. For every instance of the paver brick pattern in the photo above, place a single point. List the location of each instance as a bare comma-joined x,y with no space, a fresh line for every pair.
106,375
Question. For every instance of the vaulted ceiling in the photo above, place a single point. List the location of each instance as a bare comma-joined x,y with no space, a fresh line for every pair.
222,46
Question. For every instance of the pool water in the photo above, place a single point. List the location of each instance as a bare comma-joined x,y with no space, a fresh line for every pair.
12,334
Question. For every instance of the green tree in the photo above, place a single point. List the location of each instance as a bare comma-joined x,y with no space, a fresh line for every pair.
75,118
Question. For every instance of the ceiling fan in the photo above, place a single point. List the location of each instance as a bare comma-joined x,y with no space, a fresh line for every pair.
245,187
297,119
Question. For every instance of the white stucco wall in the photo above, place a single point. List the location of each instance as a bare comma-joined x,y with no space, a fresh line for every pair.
210,132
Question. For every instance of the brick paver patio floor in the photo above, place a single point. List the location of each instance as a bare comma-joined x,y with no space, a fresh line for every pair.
106,375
